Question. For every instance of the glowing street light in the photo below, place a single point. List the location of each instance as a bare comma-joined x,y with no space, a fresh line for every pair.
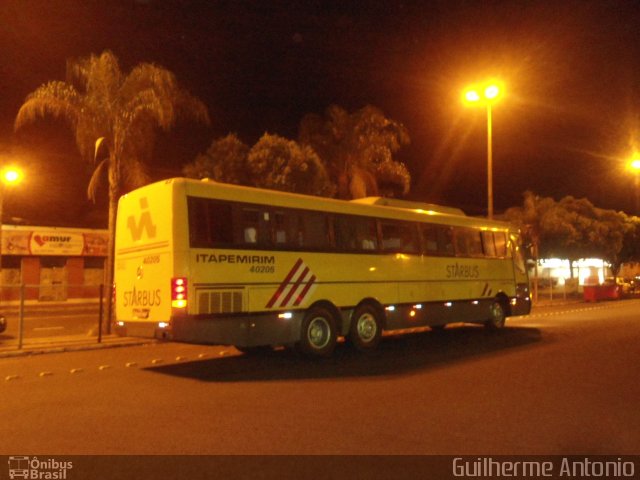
11,176
486,95
634,166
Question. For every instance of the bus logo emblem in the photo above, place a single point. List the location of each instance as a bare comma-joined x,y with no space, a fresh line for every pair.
144,224
297,285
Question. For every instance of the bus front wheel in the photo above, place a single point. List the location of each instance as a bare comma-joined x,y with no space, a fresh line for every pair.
365,331
497,316
318,333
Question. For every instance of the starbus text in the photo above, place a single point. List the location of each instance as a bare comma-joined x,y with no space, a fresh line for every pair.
142,298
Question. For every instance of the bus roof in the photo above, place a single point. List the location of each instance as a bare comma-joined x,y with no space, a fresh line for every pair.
369,206
396,203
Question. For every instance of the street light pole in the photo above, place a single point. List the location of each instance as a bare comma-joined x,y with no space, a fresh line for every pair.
488,95
489,163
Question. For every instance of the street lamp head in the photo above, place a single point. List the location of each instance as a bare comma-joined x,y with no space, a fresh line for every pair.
635,165
483,94
472,96
491,92
11,175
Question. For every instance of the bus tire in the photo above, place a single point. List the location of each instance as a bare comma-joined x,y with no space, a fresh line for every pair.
318,333
497,316
365,330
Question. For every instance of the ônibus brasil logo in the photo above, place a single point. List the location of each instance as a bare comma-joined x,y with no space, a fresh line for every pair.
34,468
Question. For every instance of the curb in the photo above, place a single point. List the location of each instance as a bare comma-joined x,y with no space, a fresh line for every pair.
67,346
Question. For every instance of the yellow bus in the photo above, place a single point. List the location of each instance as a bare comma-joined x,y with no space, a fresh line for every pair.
213,263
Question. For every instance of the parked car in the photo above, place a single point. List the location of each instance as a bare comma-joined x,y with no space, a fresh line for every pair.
624,285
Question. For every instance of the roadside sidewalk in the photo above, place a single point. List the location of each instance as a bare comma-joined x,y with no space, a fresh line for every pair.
559,302
36,346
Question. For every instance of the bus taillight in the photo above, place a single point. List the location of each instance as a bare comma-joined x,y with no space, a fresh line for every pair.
179,292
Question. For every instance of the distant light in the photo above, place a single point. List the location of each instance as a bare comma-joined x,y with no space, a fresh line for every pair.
448,304
635,164
163,324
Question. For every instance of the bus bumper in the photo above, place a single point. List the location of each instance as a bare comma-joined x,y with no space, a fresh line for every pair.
241,331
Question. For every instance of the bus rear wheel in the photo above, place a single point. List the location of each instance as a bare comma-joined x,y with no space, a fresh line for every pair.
497,316
365,330
318,333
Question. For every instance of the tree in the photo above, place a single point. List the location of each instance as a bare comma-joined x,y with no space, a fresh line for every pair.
573,229
273,162
224,161
116,115
281,164
358,150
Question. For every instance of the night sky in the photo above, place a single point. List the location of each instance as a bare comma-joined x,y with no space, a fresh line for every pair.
567,124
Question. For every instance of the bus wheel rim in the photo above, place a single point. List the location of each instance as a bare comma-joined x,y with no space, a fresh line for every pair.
497,314
319,332
367,327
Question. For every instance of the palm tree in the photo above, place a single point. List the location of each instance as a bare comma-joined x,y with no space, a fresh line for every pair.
358,150
114,117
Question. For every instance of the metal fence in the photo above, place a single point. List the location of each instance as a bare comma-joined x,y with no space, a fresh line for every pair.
32,314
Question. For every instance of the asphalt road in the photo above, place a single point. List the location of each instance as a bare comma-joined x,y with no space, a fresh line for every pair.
565,382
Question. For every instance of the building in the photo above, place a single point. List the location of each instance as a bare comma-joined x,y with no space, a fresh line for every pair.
53,264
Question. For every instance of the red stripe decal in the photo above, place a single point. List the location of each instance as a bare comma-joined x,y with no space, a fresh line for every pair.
295,287
284,284
303,293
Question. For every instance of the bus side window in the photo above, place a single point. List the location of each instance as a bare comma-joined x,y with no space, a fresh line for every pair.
488,244
367,234
344,233
254,228
518,254
199,233
399,237
430,239
474,242
280,229
501,244
314,231
355,233
460,239
445,241
210,223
